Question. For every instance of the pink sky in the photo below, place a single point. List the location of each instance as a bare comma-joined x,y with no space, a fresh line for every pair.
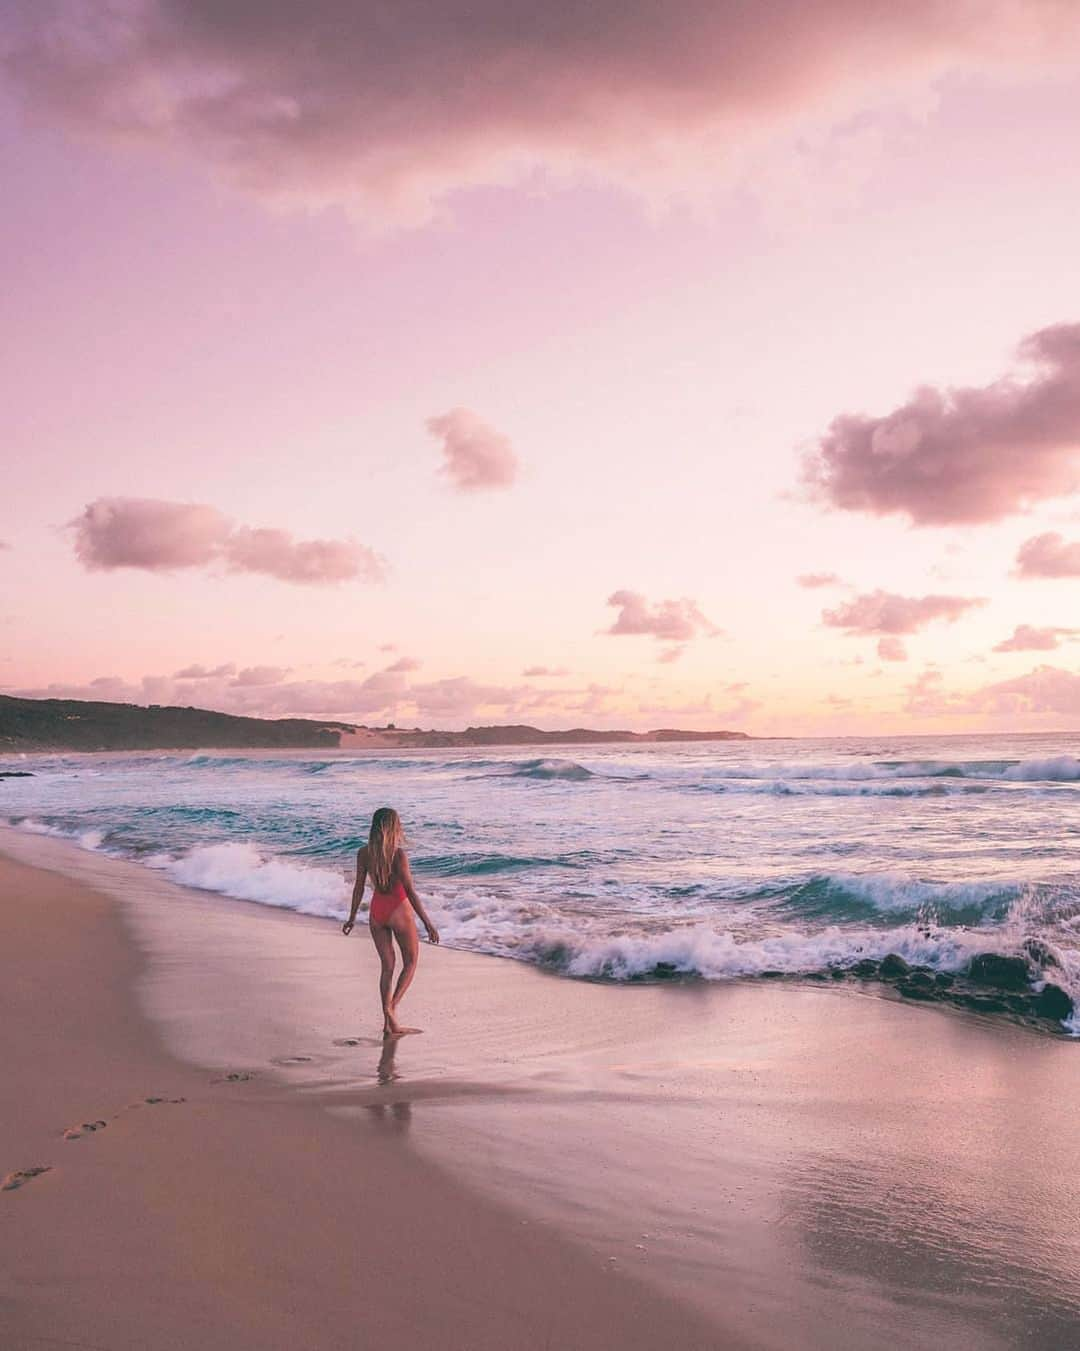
628,365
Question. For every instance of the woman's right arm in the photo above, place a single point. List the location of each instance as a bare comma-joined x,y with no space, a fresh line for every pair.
357,891
414,900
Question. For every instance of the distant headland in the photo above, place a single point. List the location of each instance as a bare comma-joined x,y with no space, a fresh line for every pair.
78,725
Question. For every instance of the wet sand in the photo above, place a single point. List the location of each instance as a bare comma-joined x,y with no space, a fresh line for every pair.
237,1213
552,1163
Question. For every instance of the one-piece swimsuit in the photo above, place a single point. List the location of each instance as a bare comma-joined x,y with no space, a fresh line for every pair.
384,903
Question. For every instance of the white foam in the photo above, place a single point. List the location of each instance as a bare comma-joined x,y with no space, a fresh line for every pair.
1059,769
85,839
700,950
1054,769
892,892
239,870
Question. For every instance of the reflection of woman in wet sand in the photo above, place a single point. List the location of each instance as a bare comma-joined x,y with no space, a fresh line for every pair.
390,917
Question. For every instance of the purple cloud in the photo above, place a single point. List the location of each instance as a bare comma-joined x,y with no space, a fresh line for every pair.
813,581
310,562
205,673
252,676
387,109
891,648
460,697
1026,638
671,621
545,671
962,456
1047,689
1049,555
160,536
882,612
475,455
141,532
671,654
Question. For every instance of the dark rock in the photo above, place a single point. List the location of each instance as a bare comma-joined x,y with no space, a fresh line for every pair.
893,965
1040,953
1003,973
943,979
15,774
771,975
1054,1002
1018,1003
867,967
837,972
911,990
923,979
985,1003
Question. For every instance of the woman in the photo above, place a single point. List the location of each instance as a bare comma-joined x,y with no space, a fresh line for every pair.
389,918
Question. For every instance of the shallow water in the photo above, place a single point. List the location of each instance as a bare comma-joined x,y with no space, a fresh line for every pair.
626,862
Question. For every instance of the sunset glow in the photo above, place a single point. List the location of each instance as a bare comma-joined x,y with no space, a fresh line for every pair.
629,366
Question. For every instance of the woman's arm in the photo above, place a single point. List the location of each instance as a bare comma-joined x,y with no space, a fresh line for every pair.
414,900
357,891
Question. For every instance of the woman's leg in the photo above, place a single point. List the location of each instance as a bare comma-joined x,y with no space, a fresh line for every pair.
384,946
404,927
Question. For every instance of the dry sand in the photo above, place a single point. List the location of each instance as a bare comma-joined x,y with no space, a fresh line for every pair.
551,1164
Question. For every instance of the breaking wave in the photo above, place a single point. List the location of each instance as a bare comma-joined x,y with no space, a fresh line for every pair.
627,863
842,895
1053,769
567,770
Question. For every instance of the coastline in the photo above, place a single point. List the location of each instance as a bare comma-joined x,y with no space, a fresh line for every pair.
59,726
231,1213
732,1165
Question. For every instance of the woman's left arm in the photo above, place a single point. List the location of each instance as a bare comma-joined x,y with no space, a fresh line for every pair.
357,891
414,900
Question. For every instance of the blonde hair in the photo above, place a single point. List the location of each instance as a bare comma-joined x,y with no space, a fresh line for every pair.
385,839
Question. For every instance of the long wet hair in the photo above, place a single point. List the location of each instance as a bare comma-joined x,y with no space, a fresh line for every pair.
385,839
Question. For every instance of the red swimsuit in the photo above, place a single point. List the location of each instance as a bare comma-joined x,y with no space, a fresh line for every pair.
384,903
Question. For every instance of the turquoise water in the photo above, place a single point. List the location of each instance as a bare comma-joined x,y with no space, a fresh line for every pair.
626,862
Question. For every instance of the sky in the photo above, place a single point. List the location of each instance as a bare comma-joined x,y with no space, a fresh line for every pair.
623,365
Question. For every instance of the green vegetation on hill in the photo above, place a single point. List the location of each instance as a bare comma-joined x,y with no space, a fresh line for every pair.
72,725
75,725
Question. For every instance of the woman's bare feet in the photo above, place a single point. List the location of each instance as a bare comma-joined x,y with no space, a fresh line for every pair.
392,1028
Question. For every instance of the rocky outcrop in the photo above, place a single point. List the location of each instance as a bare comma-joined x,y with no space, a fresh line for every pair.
1054,1002
1000,973
893,965
993,983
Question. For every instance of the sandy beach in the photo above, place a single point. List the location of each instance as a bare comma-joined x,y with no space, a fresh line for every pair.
195,1210
551,1164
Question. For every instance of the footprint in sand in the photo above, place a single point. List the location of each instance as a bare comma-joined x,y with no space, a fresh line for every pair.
153,1102
86,1128
236,1077
21,1176
291,1060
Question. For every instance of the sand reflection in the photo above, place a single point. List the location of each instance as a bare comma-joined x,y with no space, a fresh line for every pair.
1002,1270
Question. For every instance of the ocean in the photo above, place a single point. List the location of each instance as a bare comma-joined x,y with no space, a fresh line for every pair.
645,862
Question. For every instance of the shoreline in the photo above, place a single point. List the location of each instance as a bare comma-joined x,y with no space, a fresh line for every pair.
375,747
756,1164
1044,1001
190,1207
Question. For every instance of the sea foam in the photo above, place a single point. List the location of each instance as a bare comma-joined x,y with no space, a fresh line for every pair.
240,871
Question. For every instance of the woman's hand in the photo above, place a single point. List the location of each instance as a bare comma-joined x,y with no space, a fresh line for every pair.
347,927
432,933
